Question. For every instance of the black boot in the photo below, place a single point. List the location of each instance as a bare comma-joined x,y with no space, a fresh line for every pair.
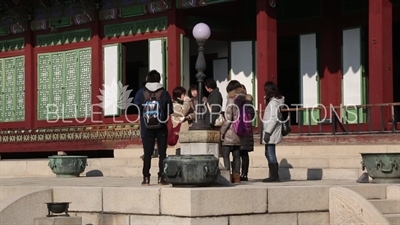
146,181
273,173
245,168
162,181
243,177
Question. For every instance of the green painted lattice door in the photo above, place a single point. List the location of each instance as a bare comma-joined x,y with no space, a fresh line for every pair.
64,89
12,89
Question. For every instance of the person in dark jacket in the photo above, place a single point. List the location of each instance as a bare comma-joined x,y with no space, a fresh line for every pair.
149,136
140,93
248,145
135,101
231,142
214,100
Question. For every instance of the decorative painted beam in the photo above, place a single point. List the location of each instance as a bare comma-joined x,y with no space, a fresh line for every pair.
110,4
75,36
63,14
112,11
13,17
12,45
88,133
135,27
185,4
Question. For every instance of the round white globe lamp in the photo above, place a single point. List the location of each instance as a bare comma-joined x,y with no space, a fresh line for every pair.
201,31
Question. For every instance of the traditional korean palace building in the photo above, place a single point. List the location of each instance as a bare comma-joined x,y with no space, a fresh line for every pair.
57,57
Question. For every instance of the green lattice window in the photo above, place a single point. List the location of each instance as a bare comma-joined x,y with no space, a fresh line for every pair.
12,89
64,84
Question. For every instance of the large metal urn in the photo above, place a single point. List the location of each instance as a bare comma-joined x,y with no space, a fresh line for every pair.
67,165
195,170
382,167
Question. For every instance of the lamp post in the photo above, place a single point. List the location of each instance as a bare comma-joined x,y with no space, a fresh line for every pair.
201,32
198,163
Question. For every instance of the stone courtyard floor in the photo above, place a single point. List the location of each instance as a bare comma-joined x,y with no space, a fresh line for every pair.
135,182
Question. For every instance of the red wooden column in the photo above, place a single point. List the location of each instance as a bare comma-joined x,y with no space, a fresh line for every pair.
97,67
175,29
330,56
30,88
267,64
380,57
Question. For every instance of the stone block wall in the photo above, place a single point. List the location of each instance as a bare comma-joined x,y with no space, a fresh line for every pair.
253,203
242,204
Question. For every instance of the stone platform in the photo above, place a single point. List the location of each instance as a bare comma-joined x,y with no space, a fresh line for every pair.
122,201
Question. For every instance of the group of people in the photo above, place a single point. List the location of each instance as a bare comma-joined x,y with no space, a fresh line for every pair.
157,107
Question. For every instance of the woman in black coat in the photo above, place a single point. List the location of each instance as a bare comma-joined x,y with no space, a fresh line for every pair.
248,145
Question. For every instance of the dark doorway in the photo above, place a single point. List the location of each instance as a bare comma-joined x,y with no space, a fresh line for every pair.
289,70
136,67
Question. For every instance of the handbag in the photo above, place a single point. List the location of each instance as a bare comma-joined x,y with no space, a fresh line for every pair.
220,120
285,130
173,135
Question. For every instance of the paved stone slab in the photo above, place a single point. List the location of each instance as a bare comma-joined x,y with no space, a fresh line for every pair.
276,219
143,200
171,220
213,201
58,221
313,218
78,198
393,192
113,219
298,199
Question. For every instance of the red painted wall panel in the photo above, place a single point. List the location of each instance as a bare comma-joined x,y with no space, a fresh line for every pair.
380,45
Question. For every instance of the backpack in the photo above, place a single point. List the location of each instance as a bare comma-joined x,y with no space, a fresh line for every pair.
152,109
243,125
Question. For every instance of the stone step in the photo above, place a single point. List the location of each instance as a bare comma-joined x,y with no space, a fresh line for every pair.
307,174
109,169
255,162
254,173
368,191
311,151
39,167
294,168
394,219
309,162
386,206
